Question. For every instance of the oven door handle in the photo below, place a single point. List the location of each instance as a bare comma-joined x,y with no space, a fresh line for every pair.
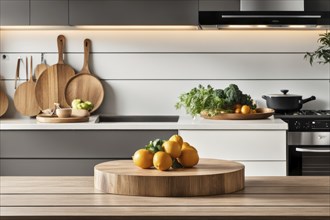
312,150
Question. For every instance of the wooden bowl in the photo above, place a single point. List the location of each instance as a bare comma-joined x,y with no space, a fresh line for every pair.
80,113
64,112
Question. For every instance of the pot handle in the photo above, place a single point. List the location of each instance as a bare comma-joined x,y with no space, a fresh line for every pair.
264,97
308,99
284,91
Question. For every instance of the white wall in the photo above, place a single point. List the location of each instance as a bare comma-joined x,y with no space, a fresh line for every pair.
143,72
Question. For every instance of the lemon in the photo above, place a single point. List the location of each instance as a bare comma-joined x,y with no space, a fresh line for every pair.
189,157
245,109
173,148
184,145
143,158
176,138
162,161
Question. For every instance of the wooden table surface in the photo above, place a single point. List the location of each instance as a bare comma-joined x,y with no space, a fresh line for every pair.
75,198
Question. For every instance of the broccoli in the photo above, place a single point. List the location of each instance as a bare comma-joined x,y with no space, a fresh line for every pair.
247,100
220,93
233,94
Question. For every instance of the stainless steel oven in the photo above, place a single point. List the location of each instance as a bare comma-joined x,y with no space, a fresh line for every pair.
308,145
308,154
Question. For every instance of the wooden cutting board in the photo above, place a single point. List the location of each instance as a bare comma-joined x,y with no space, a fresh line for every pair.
3,103
209,177
84,85
54,119
24,97
51,83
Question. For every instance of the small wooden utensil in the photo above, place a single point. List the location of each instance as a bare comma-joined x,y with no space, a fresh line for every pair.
40,68
3,103
84,85
51,83
17,71
24,97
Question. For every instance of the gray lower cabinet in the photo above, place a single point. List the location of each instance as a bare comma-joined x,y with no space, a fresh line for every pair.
133,12
69,152
48,167
49,12
14,12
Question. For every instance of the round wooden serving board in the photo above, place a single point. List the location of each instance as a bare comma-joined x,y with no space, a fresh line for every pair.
261,113
209,177
55,119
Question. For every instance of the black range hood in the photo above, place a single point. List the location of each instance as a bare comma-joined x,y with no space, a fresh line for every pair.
270,14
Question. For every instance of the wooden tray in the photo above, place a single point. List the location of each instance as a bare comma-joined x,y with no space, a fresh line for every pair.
209,177
262,113
54,119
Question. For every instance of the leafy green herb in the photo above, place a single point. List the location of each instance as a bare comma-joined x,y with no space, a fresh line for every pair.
155,146
200,98
214,101
322,54
176,164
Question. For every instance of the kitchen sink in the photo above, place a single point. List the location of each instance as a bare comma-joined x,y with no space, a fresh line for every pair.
137,118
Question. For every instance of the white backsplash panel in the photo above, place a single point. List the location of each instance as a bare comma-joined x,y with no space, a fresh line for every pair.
144,72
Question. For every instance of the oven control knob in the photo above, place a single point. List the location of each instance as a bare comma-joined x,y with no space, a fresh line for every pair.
297,125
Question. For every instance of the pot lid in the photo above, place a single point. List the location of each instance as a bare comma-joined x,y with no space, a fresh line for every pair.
284,94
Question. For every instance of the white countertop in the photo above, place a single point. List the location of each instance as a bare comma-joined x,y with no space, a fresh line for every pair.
184,123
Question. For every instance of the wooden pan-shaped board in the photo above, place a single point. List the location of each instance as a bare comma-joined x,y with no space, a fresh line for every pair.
3,103
55,119
84,85
24,97
51,83
40,68
208,177
261,113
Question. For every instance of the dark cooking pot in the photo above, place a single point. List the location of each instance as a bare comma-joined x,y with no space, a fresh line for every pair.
286,102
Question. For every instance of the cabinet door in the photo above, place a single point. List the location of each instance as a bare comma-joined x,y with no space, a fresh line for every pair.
133,12
262,152
219,5
238,145
14,12
49,12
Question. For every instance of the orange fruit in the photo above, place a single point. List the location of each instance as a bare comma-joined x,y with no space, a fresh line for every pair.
189,157
143,158
254,111
184,145
245,109
162,161
238,110
173,148
176,138
187,145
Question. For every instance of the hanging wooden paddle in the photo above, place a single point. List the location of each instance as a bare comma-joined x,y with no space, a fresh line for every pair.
41,67
24,97
3,103
84,85
51,83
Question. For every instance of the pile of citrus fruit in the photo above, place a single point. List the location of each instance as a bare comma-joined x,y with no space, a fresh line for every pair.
164,154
